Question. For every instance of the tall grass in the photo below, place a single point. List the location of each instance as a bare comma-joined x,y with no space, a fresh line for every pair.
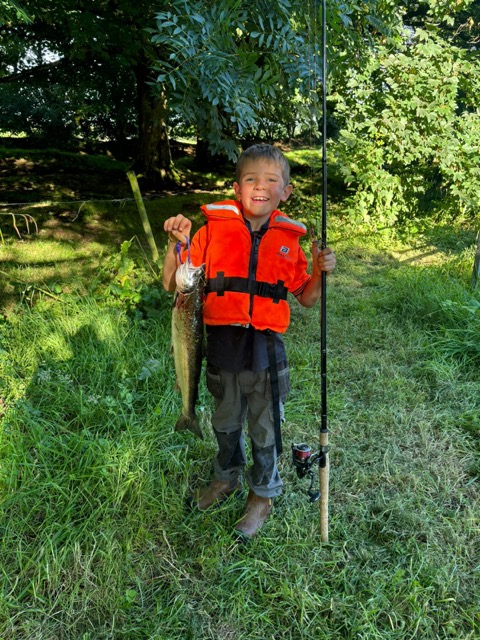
443,305
97,544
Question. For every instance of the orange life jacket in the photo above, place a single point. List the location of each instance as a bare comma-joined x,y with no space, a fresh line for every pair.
236,292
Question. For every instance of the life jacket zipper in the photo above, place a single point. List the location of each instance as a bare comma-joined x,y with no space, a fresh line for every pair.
252,268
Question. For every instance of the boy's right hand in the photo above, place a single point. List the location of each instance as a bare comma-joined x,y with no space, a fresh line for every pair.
178,228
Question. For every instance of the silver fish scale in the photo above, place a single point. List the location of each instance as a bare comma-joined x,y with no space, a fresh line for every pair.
187,276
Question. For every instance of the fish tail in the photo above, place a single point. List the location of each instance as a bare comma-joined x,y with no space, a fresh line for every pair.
190,423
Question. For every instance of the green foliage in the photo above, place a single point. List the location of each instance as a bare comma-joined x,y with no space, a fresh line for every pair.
124,285
60,113
237,73
229,71
128,286
443,11
11,10
223,64
411,133
40,117
56,79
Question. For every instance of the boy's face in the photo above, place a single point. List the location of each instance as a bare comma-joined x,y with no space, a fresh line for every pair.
260,190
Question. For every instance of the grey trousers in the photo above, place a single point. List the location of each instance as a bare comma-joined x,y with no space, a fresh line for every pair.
241,398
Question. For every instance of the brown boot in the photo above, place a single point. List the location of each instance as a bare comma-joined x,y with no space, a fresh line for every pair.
256,512
214,493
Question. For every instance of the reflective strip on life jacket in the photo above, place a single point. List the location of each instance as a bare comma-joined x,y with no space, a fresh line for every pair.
221,207
299,227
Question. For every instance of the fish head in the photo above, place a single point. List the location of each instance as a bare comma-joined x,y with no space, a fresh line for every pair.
188,277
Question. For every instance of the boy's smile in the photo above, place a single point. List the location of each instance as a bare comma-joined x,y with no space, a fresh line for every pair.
260,189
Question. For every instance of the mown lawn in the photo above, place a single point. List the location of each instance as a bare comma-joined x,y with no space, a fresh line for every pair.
96,542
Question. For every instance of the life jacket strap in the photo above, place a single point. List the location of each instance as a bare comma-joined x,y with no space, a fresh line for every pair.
219,284
273,370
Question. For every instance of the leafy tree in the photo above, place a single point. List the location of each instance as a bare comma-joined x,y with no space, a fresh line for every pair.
231,71
100,57
228,71
403,96
224,64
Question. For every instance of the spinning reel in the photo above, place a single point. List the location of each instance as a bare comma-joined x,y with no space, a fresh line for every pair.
303,460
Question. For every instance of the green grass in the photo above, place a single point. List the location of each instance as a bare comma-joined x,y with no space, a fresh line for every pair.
95,539
74,241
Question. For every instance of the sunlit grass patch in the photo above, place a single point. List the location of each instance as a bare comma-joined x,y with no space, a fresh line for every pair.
72,244
305,158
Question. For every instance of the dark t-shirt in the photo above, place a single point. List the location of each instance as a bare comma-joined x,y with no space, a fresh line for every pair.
234,349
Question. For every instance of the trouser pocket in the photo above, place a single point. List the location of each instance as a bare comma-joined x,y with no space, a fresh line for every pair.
214,382
283,385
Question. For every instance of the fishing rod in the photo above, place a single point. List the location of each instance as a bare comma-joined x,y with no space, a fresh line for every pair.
302,457
324,462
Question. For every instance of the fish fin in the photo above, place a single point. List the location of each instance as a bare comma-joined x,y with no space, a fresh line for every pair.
190,423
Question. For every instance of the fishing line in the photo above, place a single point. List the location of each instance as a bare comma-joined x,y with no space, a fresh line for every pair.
313,79
180,249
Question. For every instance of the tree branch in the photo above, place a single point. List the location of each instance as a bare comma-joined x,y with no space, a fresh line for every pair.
33,72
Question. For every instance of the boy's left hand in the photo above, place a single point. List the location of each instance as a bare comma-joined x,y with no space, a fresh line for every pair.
323,260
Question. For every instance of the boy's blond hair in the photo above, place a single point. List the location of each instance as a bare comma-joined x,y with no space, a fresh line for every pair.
264,152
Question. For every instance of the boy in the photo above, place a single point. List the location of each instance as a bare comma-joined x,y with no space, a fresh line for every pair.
252,259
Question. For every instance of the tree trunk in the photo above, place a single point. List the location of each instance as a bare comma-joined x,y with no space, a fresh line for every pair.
154,159
205,160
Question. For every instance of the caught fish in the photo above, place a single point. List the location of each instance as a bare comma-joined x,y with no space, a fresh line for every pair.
187,340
